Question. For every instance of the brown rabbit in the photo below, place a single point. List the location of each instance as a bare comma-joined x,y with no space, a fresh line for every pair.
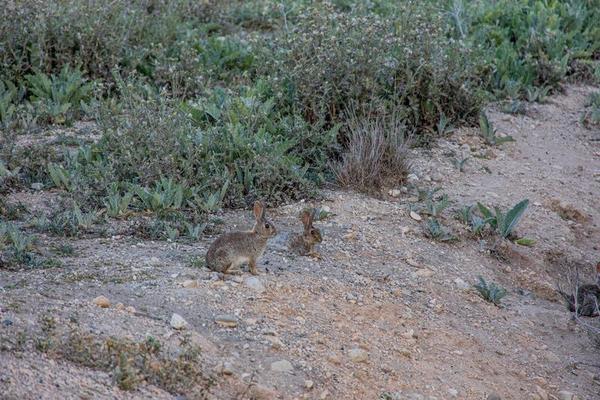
231,250
303,244
588,298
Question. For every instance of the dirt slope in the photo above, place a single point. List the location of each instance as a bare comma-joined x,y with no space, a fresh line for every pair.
385,310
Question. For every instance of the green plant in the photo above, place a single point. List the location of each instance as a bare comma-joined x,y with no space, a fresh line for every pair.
67,220
503,223
194,231
435,206
591,115
166,195
117,204
488,132
460,163
537,94
10,96
60,176
490,291
16,247
437,231
61,96
467,217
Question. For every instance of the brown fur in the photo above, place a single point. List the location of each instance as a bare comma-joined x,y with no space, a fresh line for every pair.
233,249
303,244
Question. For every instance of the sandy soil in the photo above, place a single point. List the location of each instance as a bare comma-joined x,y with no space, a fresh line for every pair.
385,312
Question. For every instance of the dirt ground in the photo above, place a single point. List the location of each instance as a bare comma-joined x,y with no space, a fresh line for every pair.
386,313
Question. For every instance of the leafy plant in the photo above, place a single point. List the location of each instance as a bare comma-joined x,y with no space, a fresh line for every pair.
194,231
437,231
117,205
503,223
460,163
60,176
490,291
435,207
59,97
591,115
488,132
15,247
166,195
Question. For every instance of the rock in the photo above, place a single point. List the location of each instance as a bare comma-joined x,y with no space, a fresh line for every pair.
461,284
276,343
190,284
437,177
358,355
282,366
308,384
409,334
102,301
424,273
413,263
120,306
261,392
427,178
565,395
227,368
130,309
493,396
541,393
228,321
37,186
334,359
254,283
452,392
395,193
412,177
415,216
177,322
324,394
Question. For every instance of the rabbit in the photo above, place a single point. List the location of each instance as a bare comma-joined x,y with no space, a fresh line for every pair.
588,298
303,244
230,250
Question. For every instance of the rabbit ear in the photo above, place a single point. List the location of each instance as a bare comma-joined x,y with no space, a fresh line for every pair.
306,219
598,267
259,210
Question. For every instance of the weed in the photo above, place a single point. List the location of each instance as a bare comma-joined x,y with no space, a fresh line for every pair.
16,248
117,205
503,223
490,291
591,115
460,163
197,262
435,207
60,97
68,220
376,154
193,231
437,231
64,249
488,132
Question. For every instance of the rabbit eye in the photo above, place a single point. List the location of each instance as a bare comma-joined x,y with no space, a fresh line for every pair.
267,226
313,232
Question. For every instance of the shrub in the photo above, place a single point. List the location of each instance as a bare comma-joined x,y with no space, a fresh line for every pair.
375,155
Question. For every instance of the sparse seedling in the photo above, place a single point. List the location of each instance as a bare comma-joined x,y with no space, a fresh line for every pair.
488,132
117,205
443,126
194,231
490,291
437,231
460,163
503,223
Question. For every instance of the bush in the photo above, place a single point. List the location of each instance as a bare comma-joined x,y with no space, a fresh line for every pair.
531,43
400,61
375,157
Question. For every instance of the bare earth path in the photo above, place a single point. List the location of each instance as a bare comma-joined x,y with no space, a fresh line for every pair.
385,311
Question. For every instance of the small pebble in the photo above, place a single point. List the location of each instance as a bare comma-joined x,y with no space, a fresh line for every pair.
102,301
177,322
227,321
358,355
282,366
